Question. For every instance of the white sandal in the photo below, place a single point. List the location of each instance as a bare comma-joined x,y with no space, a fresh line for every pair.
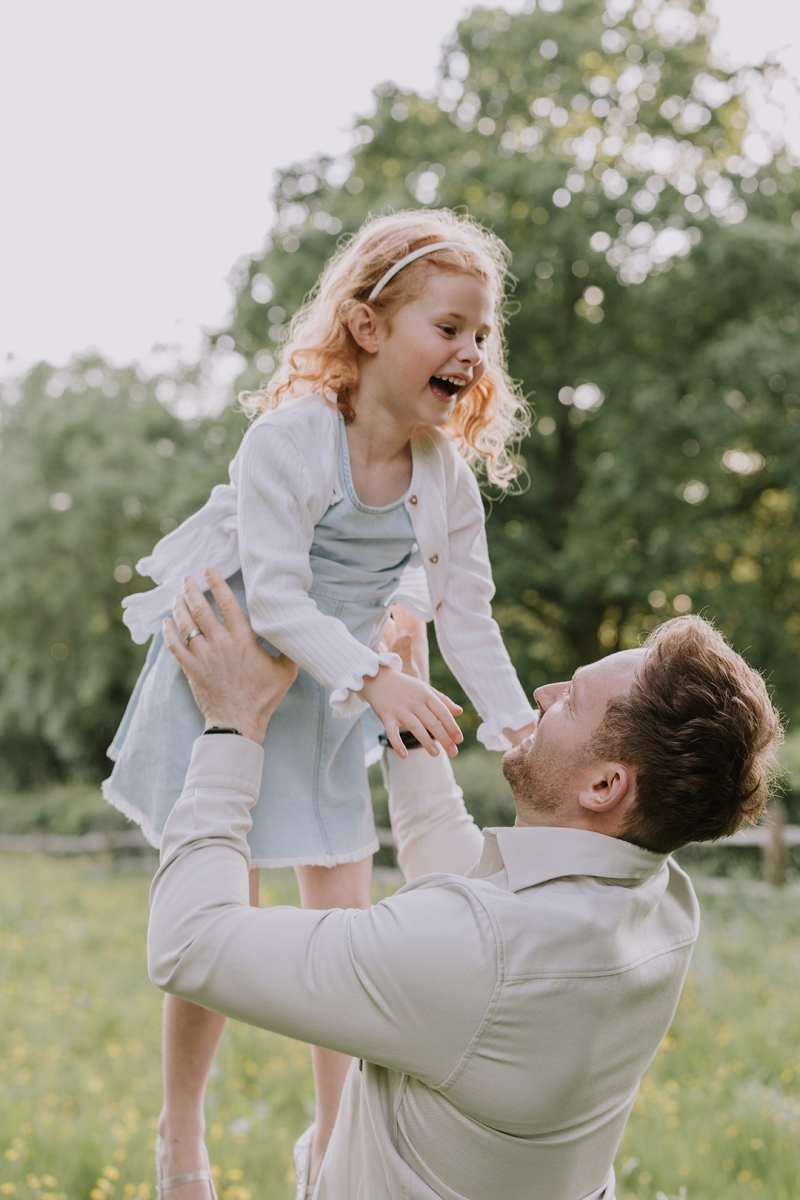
301,1156
164,1185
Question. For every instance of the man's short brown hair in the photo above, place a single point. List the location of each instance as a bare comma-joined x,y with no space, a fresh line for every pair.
699,731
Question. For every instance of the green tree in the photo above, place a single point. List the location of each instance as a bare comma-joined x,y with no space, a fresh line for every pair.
93,470
658,279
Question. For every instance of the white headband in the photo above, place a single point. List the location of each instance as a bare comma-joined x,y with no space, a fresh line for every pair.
409,258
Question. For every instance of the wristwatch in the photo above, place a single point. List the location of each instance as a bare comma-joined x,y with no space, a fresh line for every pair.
406,737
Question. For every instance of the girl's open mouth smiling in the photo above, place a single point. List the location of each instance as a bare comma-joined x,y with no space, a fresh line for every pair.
446,386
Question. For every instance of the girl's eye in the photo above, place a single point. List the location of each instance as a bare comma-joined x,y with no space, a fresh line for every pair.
448,329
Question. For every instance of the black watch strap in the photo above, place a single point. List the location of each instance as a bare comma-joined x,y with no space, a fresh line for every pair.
406,737
220,729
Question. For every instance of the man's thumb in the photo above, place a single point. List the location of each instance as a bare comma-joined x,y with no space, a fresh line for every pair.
403,647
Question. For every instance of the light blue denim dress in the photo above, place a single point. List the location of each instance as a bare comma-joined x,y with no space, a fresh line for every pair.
315,805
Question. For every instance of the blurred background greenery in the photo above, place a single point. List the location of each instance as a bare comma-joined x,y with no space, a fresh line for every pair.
656,241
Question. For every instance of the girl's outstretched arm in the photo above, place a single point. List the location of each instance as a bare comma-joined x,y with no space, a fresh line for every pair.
468,636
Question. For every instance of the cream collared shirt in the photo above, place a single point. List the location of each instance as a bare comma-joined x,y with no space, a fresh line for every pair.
500,1022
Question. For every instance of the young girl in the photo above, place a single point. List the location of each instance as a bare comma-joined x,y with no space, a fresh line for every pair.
351,492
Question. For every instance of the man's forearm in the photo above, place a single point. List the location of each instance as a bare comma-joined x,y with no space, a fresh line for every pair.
346,979
205,832
432,828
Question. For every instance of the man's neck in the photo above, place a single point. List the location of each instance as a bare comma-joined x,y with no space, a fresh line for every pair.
609,824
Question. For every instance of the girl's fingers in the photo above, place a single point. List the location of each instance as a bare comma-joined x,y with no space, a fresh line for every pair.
455,709
422,734
439,731
393,734
442,709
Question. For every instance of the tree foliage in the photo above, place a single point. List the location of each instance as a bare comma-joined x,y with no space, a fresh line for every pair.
656,250
93,469
657,283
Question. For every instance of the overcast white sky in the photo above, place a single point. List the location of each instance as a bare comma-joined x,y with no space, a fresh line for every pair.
138,143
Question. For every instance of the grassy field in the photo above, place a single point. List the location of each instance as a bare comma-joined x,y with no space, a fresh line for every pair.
718,1114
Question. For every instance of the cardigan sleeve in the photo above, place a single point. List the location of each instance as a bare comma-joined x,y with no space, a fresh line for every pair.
277,500
468,636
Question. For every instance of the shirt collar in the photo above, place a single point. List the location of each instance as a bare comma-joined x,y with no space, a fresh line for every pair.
536,854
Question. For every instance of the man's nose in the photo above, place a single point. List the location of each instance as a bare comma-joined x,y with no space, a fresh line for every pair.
548,694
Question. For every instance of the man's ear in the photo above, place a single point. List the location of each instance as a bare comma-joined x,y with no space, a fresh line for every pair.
604,787
362,321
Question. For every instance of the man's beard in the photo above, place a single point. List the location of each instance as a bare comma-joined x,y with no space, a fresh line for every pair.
534,782
539,779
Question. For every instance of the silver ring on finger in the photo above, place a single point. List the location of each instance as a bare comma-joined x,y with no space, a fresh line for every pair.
193,633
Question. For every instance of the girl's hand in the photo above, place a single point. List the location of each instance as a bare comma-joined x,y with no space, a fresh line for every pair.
516,736
403,702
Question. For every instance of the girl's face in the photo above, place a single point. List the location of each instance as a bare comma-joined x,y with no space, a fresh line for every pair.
434,351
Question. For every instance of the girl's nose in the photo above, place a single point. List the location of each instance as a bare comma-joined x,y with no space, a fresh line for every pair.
470,352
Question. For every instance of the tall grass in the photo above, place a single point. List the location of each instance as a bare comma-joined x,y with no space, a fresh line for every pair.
718,1114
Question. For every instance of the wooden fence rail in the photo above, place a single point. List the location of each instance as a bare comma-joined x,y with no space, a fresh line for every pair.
773,838
85,843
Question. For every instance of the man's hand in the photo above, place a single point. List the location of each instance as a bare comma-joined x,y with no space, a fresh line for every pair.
407,636
234,681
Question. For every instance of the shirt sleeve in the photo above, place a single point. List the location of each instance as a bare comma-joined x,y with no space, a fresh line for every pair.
468,636
431,825
405,984
276,531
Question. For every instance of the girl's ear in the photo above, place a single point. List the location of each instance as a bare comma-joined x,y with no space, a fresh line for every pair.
362,321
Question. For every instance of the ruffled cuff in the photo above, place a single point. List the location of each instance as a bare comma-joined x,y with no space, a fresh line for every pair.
490,733
345,700
143,612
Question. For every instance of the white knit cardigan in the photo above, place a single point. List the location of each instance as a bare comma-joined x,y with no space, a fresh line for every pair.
283,479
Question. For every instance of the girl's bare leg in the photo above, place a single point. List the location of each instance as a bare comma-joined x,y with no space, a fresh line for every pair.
345,886
190,1038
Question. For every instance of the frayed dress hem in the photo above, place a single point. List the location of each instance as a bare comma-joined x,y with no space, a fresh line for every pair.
319,860
113,797
315,860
